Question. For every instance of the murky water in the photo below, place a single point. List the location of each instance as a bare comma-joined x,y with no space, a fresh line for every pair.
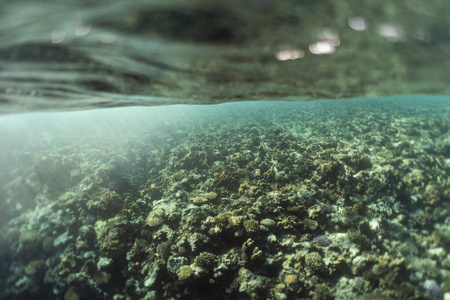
345,198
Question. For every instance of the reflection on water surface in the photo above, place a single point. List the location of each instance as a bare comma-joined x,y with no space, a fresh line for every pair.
71,54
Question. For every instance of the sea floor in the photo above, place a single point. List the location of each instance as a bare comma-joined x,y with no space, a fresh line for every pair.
255,200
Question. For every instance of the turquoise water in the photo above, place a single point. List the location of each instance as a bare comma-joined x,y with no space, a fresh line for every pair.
241,150
340,199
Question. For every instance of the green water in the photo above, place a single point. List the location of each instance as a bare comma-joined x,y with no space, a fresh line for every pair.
185,149
344,199
64,55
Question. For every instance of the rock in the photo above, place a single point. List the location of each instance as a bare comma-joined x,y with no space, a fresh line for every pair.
269,223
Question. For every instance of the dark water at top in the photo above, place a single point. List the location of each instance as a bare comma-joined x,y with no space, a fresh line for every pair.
64,55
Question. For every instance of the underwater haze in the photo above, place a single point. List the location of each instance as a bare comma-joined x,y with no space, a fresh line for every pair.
252,149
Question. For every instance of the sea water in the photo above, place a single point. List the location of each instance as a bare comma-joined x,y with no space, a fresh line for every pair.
112,187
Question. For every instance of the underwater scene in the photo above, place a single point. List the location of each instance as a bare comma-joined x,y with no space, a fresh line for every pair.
252,149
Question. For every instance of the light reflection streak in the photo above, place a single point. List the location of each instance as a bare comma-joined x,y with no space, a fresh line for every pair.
328,40
322,47
290,54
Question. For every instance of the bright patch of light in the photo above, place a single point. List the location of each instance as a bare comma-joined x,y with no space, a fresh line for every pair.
392,32
289,54
322,47
57,37
82,29
357,23
328,40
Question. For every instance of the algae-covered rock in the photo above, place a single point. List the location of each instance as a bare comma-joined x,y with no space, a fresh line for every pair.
314,262
102,278
106,203
205,260
199,200
269,223
251,226
154,218
291,280
184,273
34,267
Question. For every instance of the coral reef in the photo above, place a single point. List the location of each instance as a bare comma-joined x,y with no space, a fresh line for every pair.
301,204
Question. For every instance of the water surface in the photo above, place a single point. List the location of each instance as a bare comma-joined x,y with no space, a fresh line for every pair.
61,55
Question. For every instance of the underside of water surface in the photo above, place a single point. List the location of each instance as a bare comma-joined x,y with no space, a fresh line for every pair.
111,187
60,55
